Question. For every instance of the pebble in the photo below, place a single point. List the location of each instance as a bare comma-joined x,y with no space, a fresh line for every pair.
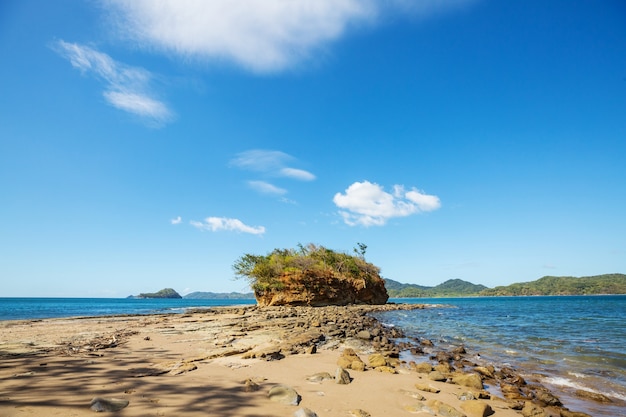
107,404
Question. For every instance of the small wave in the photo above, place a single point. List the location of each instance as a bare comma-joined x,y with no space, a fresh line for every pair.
565,382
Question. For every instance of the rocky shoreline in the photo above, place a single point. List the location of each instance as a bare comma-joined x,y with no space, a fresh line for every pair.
139,351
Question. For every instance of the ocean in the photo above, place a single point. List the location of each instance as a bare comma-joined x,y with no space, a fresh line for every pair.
567,342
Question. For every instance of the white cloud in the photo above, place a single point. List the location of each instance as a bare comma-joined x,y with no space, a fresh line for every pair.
272,163
261,35
126,88
215,224
177,220
298,174
368,204
266,188
260,160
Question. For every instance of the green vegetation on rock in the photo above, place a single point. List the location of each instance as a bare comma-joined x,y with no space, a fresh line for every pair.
268,272
598,284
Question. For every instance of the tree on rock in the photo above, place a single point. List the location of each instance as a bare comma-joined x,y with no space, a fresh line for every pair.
312,275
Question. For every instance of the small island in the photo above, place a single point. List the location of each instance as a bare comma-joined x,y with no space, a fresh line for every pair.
312,275
164,293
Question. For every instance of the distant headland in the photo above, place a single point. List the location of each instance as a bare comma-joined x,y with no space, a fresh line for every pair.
164,293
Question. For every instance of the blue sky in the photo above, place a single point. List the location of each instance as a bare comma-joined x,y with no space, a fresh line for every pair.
149,144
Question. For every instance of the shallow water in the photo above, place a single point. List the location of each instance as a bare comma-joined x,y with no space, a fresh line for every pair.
41,308
567,343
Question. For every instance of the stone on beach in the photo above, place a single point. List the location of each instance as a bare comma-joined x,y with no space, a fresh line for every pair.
284,395
107,404
468,380
595,396
477,408
376,359
427,388
444,409
342,376
304,412
319,377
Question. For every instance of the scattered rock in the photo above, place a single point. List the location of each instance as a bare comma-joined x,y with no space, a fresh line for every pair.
413,394
427,388
546,398
423,368
359,413
466,396
250,386
444,409
476,408
107,404
533,410
364,334
468,380
376,359
419,408
436,376
319,377
567,413
284,395
484,371
342,376
386,369
594,396
304,412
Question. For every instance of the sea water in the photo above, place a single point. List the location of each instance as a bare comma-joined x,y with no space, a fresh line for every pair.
568,343
41,308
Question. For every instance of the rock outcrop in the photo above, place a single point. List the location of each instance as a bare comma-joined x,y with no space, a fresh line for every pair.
315,288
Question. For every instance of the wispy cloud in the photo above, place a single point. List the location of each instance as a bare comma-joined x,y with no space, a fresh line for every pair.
215,224
125,87
266,188
177,220
262,36
368,204
273,164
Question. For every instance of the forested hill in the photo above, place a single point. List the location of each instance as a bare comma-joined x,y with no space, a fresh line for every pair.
598,284
450,288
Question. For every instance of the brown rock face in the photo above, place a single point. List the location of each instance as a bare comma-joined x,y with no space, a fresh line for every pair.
317,289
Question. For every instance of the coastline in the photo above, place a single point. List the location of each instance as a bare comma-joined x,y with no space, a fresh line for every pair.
224,360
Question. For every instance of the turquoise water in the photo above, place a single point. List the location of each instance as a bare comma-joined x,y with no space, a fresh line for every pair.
569,343
41,308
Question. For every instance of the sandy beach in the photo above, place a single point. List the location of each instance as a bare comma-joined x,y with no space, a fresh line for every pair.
226,361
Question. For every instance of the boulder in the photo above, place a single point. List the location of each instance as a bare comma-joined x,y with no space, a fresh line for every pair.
436,376
444,409
594,396
423,367
476,408
427,388
342,377
99,404
376,359
304,412
284,394
468,380
533,410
